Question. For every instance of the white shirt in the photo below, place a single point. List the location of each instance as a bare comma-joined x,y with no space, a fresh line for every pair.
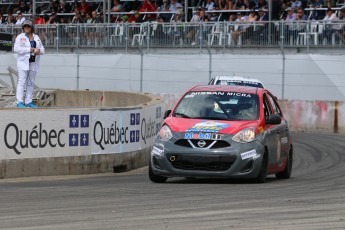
175,7
19,22
329,18
22,48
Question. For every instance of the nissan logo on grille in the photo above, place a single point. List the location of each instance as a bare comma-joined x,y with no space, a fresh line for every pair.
201,143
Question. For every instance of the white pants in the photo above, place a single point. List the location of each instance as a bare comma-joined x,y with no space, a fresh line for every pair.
26,79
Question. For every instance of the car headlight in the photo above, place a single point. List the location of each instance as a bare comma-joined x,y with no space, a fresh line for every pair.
245,136
165,133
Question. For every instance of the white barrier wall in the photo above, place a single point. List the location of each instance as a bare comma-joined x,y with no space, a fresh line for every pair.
49,133
306,76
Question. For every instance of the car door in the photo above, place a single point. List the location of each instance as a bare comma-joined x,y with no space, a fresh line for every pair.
283,130
272,133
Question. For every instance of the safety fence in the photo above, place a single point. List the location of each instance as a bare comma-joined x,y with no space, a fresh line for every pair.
185,35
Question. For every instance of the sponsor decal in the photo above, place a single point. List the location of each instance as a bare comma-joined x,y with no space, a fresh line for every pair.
284,140
205,136
220,93
156,151
249,154
208,127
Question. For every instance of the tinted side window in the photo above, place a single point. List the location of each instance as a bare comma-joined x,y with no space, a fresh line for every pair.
267,108
275,105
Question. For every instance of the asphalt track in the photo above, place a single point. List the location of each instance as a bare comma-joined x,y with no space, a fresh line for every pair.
314,198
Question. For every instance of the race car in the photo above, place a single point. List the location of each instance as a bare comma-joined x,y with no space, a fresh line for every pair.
236,80
224,132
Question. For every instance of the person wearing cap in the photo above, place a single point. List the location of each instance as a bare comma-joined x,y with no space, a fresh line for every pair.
329,30
29,48
340,28
20,18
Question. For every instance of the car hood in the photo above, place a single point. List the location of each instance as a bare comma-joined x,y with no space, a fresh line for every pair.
177,124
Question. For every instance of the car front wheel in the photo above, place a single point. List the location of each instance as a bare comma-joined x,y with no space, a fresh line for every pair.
261,178
156,178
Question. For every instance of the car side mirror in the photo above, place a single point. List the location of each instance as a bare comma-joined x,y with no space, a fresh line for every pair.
167,113
274,119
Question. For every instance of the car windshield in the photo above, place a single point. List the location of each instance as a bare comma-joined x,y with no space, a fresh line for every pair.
240,82
218,106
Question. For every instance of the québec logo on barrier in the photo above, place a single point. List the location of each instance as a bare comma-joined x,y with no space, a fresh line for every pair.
79,121
134,135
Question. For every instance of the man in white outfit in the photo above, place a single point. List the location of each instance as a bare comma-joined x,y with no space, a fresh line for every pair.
29,48
20,18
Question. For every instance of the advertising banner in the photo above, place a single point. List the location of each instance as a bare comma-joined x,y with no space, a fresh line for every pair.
59,133
49,133
6,42
124,131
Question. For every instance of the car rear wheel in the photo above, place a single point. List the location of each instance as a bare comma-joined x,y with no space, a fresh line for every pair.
261,178
156,178
288,168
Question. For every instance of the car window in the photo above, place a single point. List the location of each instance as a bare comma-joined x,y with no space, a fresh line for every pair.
211,82
218,106
267,108
274,104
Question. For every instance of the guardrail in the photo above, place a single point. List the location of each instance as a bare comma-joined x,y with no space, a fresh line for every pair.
186,35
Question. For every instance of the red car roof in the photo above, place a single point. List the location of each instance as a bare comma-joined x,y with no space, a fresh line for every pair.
226,88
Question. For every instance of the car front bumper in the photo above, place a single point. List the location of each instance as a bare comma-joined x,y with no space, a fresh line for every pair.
239,160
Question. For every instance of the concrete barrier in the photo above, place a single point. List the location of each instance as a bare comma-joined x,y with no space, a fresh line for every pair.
104,136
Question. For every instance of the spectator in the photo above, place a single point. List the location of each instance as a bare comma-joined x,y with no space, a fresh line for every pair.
262,15
88,18
291,16
51,7
95,17
330,16
64,7
117,7
38,20
209,5
221,5
2,19
262,4
329,30
340,28
10,20
316,15
301,15
164,8
23,7
239,5
295,4
20,18
54,18
196,16
77,18
174,6
83,8
136,18
203,17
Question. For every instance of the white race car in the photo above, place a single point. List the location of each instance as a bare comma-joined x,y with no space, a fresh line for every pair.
236,80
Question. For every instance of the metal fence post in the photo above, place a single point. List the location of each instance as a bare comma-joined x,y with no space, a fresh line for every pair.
141,69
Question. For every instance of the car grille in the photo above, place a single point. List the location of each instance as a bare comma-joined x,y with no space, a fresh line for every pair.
218,144
201,162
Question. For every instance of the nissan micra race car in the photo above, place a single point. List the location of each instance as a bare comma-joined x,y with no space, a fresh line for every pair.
223,131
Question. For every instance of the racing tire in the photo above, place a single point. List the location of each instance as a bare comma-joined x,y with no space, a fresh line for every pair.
156,178
288,168
261,178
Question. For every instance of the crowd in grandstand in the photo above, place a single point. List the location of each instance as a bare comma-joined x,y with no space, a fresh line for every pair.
62,11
